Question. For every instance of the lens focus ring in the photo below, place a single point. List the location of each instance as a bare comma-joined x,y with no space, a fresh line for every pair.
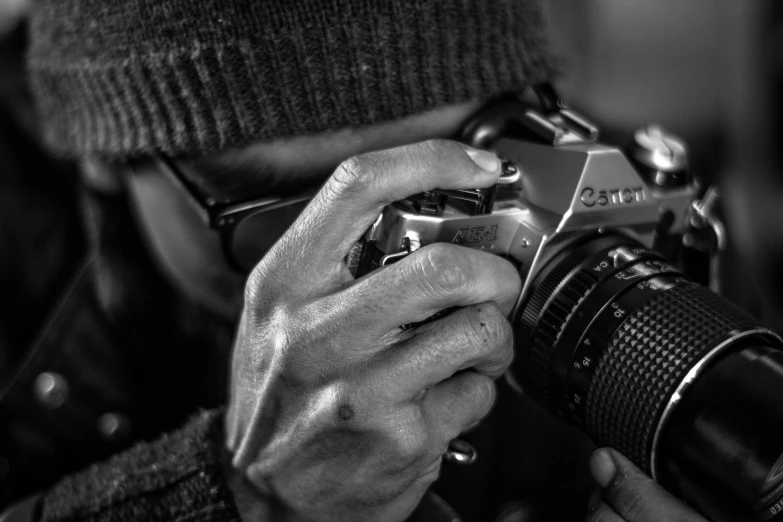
646,359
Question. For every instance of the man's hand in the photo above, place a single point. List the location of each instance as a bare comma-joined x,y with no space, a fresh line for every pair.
335,412
626,494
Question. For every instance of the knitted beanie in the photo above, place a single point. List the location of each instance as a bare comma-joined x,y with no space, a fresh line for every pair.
118,78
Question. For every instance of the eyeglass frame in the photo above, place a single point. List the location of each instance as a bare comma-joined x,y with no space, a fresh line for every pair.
225,217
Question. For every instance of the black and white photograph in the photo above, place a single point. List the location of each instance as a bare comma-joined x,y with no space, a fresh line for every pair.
391,260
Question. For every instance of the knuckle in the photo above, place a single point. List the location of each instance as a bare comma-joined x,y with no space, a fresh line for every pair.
256,285
411,448
280,332
266,285
439,148
442,268
411,445
269,340
491,338
484,395
352,175
490,326
477,393
252,289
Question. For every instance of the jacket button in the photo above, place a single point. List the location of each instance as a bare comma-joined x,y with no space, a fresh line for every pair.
51,389
114,427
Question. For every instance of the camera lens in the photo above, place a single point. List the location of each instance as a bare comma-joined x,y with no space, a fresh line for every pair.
615,340
774,480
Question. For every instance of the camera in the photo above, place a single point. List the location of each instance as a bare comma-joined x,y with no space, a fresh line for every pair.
611,332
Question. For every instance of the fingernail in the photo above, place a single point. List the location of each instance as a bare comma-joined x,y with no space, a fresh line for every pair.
485,160
602,467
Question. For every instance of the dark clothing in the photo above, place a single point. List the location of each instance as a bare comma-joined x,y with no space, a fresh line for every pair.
108,354
179,477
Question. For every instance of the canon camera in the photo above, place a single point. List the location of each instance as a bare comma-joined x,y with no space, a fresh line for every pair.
611,334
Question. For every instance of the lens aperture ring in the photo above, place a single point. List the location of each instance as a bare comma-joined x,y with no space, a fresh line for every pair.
558,289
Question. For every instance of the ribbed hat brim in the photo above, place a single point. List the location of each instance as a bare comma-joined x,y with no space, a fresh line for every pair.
119,78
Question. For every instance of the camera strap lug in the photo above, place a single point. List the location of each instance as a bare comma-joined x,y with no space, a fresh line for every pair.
390,259
705,234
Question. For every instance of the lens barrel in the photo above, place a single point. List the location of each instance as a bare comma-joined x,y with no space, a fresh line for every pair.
617,341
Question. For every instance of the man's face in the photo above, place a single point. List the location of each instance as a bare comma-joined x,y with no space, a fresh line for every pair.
190,253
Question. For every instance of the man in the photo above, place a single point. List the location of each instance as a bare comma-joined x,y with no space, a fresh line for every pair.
334,412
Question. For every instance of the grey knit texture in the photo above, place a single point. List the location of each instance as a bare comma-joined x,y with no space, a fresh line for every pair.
128,77
178,477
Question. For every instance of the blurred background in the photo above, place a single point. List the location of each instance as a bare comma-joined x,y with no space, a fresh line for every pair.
710,71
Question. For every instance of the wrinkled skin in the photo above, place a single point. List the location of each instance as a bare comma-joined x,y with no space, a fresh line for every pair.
336,413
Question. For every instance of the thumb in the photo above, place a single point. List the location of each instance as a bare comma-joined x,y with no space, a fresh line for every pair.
634,495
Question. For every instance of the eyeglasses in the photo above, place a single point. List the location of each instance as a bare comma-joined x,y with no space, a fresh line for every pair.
248,229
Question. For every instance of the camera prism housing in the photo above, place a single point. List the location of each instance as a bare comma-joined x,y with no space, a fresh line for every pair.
609,334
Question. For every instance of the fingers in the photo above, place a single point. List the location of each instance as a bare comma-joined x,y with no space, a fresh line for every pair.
355,194
431,279
457,403
631,494
477,338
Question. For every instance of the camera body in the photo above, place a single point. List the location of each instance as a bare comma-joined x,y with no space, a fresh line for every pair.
610,334
554,191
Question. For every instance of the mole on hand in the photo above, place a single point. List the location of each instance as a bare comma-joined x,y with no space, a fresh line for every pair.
345,412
